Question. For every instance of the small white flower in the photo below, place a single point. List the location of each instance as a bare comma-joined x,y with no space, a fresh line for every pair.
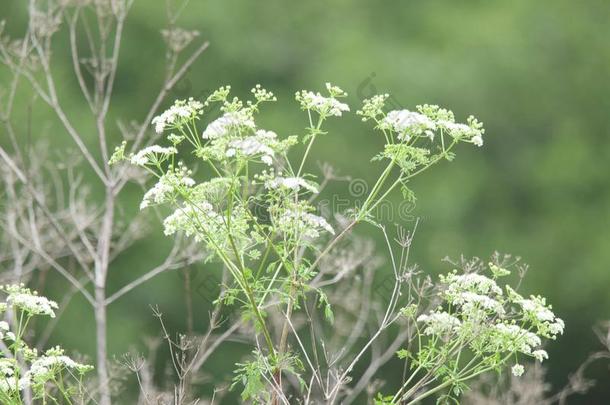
510,337
163,190
27,301
477,140
537,308
157,194
47,367
187,219
518,370
439,323
305,223
292,183
267,159
230,121
474,131
151,154
176,115
472,301
408,124
540,355
250,146
557,327
472,282
320,104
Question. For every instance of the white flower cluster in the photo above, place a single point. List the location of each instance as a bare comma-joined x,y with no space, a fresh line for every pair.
234,135
46,367
408,124
177,115
5,332
464,131
505,336
439,323
491,321
425,122
10,382
290,183
517,370
473,293
297,221
190,219
539,314
33,371
200,220
263,143
153,154
233,121
326,106
28,301
165,189
470,282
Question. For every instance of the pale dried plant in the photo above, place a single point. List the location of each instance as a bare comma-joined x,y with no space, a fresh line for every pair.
49,220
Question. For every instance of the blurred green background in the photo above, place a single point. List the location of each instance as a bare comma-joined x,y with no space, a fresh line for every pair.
536,73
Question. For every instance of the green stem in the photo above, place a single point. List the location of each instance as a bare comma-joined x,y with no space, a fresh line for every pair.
315,131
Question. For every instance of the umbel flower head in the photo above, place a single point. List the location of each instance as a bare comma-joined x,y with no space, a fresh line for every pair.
428,121
28,301
33,371
477,313
178,115
325,106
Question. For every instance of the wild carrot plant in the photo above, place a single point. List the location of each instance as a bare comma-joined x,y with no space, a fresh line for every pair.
253,210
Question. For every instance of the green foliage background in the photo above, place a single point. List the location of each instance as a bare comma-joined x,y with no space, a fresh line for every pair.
535,72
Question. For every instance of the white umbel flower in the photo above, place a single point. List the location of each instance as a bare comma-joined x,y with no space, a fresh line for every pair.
518,370
470,301
291,183
536,307
477,140
263,143
230,121
165,188
27,301
472,131
439,323
540,355
181,111
329,106
510,337
188,217
409,124
304,223
153,153
472,282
